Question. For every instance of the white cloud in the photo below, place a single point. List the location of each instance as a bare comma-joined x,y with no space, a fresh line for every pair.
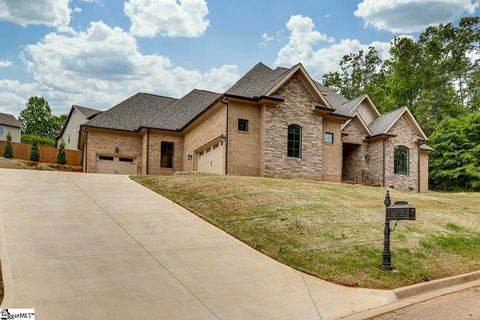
170,18
407,16
318,61
5,63
53,13
265,39
10,103
101,66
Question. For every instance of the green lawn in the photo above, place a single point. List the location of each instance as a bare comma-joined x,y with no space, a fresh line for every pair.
335,231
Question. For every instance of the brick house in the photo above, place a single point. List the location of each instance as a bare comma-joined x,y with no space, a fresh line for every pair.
272,122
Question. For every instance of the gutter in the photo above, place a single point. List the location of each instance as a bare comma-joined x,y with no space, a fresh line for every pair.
148,151
226,134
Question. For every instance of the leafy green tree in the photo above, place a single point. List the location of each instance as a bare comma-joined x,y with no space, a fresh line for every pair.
455,164
37,119
61,154
42,141
8,152
34,152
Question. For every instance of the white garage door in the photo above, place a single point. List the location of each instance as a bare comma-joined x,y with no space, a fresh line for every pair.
116,165
211,159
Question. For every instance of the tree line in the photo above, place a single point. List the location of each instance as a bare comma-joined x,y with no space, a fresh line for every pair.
438,77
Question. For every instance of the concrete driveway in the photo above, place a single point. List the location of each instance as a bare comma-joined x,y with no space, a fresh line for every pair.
86,246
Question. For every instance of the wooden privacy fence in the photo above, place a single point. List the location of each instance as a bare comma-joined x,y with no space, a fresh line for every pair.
47,154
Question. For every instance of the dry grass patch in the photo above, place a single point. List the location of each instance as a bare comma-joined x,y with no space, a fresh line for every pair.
335,231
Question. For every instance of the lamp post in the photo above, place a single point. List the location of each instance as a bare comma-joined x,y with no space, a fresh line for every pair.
387,257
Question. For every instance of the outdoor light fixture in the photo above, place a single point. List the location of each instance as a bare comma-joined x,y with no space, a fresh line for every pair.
189,157
117,150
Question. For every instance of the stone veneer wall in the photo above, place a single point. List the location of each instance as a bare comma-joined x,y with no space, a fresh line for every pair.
354,161
244,148
296,109
374,163
407,137
424,170
156,138
104,142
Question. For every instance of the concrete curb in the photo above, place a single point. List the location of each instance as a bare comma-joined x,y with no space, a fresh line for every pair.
417,293
417,289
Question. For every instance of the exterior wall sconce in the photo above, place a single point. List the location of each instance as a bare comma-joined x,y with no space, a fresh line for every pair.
189,157
117,150
367,157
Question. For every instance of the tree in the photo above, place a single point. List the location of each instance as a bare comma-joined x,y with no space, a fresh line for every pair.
37,119
360,73
61,154
8,152
455,164
35,152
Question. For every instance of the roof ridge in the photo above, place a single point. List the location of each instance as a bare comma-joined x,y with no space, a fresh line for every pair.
394,110
156,95
102,115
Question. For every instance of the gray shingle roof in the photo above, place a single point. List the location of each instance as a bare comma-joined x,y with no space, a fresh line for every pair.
180,113
258,81
426,147
333,98
133,112
349,107
382,123
87,112
9,120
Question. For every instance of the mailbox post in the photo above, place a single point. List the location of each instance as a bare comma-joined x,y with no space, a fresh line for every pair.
400,210
387,257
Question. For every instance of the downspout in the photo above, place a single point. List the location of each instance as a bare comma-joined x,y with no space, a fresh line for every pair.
418,168
148,151
86,152
383,141
226,134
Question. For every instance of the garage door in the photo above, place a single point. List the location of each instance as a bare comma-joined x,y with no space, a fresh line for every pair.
211,159
116,165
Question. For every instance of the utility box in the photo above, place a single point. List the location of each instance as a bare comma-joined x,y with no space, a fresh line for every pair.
401,212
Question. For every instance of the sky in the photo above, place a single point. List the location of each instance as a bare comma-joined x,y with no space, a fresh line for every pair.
95,53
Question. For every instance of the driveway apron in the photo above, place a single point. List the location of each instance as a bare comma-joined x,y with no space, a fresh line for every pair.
76,246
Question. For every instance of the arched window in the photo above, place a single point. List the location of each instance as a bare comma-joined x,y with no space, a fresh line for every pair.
400,160
294,141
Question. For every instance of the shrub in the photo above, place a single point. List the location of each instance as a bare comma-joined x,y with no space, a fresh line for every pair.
8,153
61,154
35,152
42,141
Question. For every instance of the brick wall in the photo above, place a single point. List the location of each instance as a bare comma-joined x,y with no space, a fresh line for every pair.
296,109
104,142
244,148
407,137
155,140
210,126
332,153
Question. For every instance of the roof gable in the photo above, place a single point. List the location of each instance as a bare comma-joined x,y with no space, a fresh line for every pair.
385,122
87,112
9,120
307,79
351,106
257,81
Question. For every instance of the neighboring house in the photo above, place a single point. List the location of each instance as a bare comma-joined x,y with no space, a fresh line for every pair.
272,122
9,124
77,116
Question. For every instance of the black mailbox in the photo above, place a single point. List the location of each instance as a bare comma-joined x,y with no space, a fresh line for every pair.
401,212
